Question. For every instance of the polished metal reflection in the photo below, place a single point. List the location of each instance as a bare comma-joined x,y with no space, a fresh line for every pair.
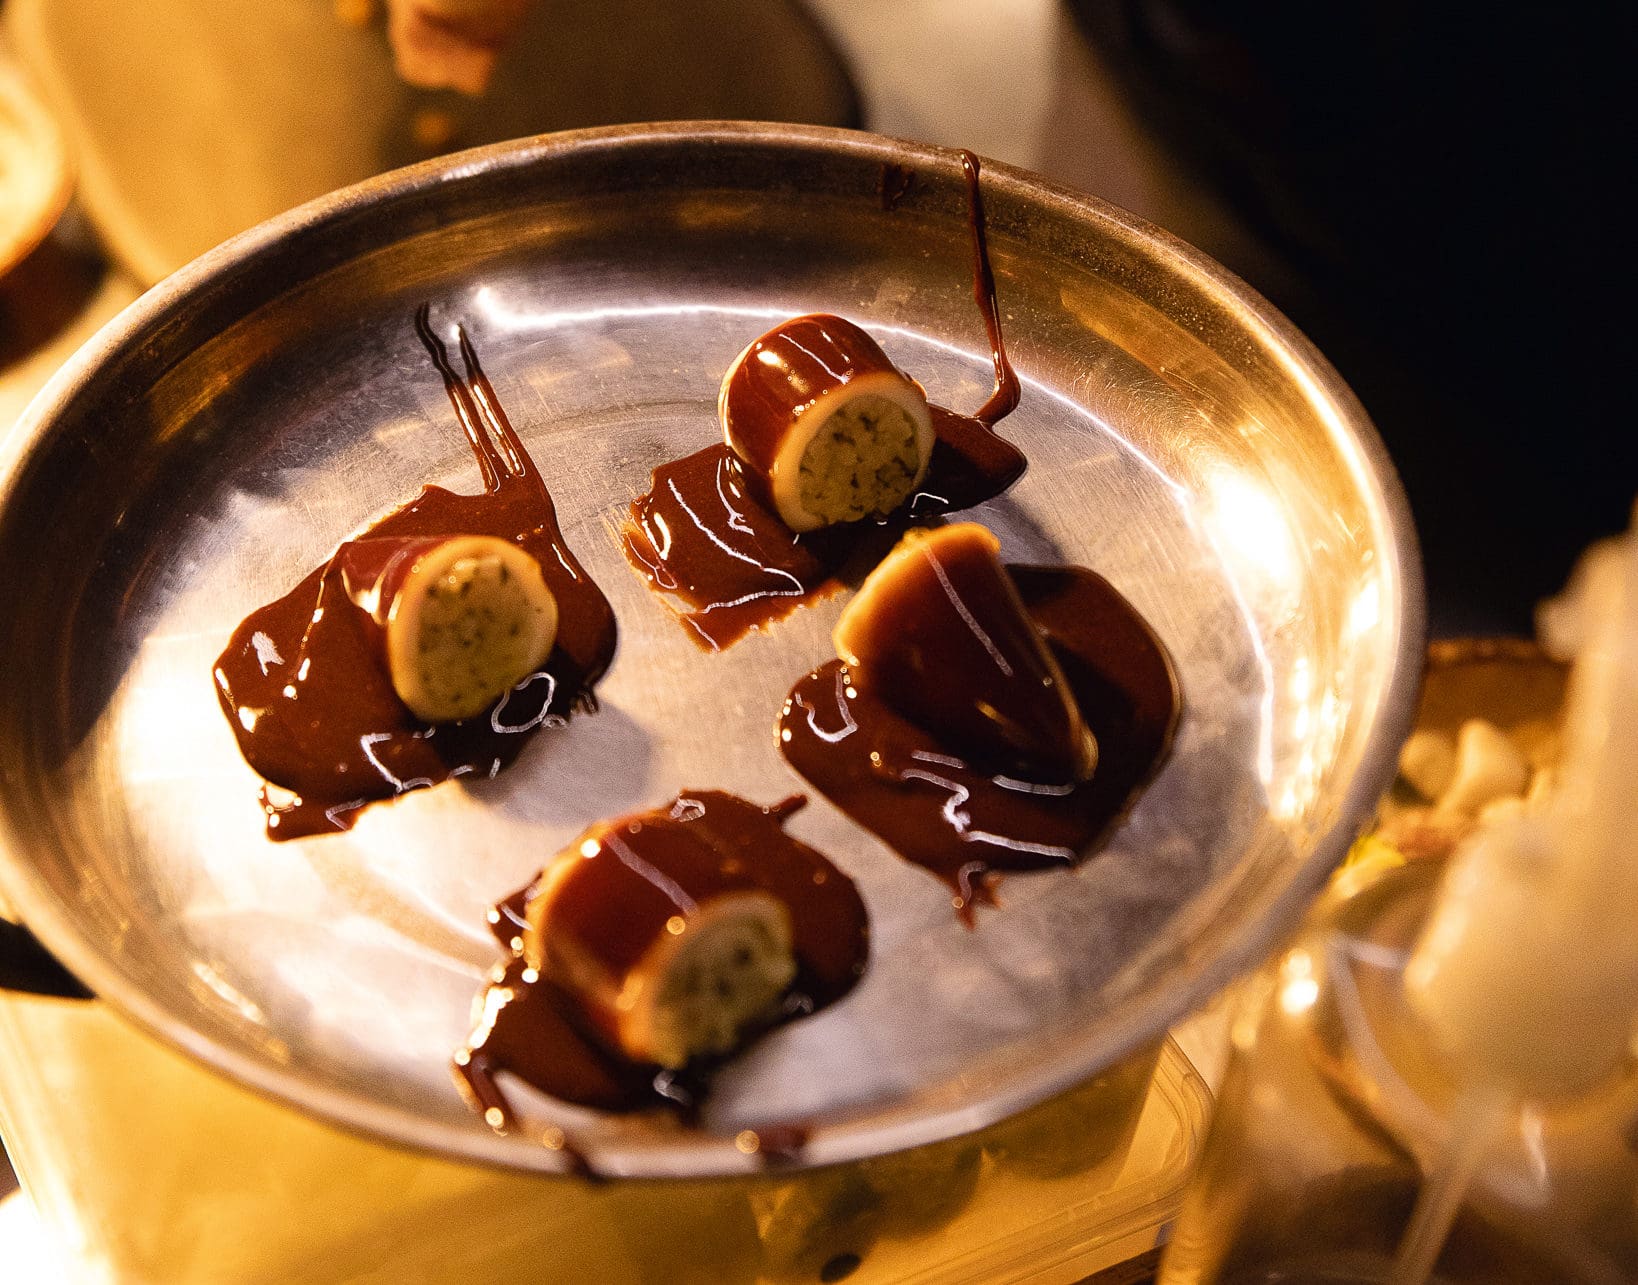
220,438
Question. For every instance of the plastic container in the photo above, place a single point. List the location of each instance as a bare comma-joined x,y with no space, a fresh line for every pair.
145,1167
1438,1079
1335,1110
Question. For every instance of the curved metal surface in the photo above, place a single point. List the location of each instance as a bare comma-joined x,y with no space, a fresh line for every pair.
226,431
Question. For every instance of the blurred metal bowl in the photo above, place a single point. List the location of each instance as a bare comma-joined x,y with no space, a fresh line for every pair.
223,434
193,120
36,179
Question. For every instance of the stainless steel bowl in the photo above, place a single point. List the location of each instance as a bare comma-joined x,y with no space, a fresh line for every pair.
223,434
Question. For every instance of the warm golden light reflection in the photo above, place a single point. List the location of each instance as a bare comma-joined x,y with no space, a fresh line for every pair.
1250,525
494,1000
1254,998
1312,719
229,994
1301,783
1533,1133
1299,988
1248,517
1365,612
1244,516
1300,691
1299,995
504,315
1317,725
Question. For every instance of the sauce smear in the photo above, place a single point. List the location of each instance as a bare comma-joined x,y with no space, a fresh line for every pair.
959,821
304,682
725,561
536,1030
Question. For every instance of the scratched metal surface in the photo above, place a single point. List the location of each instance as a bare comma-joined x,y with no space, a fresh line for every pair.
226,432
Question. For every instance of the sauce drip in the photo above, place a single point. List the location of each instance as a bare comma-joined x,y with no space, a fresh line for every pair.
304,683
1004,400
959,821
894,183
721,556
536,1030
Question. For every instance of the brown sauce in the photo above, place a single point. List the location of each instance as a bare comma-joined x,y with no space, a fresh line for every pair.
960,821
940,633
894,183
303,681
704,538
534,1029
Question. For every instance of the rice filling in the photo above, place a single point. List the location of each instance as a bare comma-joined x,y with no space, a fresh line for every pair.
861,463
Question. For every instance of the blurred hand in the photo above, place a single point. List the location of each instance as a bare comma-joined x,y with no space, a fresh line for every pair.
451,44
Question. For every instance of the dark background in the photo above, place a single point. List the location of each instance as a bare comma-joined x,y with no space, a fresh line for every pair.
1447,192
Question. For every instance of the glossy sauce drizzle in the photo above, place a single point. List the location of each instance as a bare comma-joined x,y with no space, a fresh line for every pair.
703,538
303,680
959,821
534,1029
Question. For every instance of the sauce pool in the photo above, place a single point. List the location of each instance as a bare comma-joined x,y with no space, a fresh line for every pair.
533,1028
959,821
721,556
303,680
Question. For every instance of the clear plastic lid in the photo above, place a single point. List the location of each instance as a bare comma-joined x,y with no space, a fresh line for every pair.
145,1167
